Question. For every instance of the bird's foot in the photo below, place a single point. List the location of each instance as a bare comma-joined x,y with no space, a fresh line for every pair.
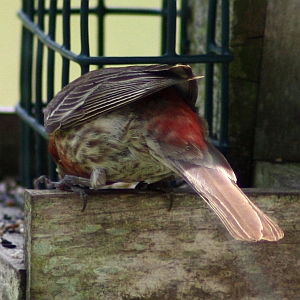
64,184
68,183
162,185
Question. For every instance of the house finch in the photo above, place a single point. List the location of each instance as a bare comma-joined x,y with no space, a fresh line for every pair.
139,123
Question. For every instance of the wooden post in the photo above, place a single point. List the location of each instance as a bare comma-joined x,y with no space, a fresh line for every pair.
126,245
12,269
277,125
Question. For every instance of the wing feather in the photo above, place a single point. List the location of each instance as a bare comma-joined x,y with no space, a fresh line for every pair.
104,90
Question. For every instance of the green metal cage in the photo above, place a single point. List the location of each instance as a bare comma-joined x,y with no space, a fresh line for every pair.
40,50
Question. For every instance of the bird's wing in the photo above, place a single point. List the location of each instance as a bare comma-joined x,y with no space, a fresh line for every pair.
107,89
213,179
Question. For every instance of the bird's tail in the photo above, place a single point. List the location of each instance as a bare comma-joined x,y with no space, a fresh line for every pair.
244,220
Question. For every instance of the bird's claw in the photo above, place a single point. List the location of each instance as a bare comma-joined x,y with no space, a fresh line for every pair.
45,180
68,183
82,193
158,186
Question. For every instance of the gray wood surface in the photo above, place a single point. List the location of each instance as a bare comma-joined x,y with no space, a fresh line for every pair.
12,267
126,245
278,130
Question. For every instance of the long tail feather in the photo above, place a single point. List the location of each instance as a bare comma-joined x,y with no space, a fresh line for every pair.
241,217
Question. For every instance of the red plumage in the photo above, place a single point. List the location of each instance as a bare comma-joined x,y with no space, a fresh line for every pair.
139,124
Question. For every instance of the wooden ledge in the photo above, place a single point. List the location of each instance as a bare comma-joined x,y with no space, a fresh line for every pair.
12,267
126,245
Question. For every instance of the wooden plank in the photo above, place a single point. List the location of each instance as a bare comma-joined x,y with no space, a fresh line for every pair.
126,245
12,268
276,175
277,129
246,44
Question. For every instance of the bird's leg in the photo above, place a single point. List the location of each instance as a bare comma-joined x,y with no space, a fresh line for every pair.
76,184
162,185
98,178
141,186
81,191
64,184
68,183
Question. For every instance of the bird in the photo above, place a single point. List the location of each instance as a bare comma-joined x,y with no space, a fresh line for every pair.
140,124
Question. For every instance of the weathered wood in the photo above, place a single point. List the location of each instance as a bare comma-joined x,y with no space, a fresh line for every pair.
246,44
126,245
277,175
12,270
278,130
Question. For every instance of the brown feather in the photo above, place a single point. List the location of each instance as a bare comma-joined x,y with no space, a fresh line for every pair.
213,179
105,90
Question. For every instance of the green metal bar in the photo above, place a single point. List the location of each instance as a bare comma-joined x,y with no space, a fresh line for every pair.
39,66
51,53
171,28
208,105
223,139
84,33
164,18
66,42
225,27
50,77
117,11
133,11
184,16
26,133
31,121
26,59
81,59
101,12
211,26
40,164
209,67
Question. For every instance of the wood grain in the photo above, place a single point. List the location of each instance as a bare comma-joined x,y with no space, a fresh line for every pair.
126,245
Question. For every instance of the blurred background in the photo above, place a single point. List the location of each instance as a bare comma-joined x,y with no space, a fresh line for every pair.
117,42
264,106
9,53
